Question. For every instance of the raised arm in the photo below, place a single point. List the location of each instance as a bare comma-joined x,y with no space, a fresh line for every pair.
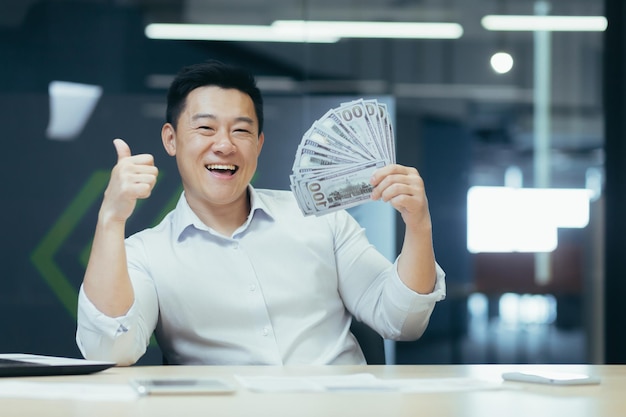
106,282
403,188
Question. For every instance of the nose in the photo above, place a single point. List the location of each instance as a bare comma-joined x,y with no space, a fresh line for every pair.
223,144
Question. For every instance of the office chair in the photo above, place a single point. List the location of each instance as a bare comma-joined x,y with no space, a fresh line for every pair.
372,344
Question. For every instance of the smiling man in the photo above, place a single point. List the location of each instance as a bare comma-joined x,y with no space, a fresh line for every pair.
237,275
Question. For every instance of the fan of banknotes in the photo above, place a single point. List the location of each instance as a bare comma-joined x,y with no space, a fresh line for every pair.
339,153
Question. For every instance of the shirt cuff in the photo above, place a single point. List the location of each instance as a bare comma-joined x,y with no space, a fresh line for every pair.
405,296
97,321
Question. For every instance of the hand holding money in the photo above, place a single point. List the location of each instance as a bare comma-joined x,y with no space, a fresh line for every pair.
403,188
339,154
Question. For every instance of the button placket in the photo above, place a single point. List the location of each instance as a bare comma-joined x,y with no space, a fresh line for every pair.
257,306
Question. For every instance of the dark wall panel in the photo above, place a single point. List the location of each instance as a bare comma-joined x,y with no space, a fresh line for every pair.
615,150
440,150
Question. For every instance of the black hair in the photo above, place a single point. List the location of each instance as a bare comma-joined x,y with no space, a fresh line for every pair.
211,73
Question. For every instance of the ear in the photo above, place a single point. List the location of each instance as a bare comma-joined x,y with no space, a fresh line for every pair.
260,144
168,136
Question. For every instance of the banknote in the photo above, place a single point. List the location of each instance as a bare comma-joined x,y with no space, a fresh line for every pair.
354,115
338,190
338,155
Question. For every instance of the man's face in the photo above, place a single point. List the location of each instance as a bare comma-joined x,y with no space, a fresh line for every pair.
216,145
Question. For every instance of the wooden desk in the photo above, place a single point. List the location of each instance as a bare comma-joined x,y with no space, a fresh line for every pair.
528,400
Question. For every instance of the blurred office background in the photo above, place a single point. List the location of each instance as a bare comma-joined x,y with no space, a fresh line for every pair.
532,276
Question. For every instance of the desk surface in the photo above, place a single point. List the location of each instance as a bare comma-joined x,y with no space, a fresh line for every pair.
516,399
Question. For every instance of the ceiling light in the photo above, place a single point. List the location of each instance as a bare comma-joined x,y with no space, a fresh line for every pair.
362,29
544,23
71,106
304,31
251,33
501,62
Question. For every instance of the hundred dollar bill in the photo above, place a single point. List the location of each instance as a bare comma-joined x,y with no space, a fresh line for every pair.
325,136
355,116
333,122
339,190
374,112
314,171
327,151
378,114
311,158
387,132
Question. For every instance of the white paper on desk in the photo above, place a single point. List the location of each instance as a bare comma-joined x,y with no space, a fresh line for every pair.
362,382
313,383
67,390
443,384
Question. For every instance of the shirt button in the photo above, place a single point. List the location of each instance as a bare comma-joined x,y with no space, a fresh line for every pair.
235,245
252,287
266,331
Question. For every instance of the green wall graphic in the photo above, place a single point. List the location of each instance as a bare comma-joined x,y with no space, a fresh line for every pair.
43,254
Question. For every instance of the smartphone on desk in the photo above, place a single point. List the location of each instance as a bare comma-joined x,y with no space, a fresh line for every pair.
156,386
551,378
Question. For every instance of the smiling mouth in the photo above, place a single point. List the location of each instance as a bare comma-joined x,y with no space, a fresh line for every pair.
222,168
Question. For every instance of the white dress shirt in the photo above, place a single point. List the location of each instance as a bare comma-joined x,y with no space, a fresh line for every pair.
280,290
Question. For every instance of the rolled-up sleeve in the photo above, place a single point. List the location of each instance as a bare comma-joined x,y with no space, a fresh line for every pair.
416,308
373,291
123,339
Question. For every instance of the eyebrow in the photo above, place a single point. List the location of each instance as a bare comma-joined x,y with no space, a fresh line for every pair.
203,116
244,119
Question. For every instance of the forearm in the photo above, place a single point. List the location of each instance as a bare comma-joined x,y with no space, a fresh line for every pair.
107,282
404,189
416,264
116,317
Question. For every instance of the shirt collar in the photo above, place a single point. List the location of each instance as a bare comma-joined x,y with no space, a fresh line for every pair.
184,217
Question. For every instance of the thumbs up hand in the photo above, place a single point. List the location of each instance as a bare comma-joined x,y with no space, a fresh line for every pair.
133,177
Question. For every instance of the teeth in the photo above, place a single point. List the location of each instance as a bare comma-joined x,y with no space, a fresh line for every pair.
224,167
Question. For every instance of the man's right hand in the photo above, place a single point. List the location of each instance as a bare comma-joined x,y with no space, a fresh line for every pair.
133,177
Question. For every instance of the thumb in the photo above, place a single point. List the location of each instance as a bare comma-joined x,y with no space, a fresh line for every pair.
123,150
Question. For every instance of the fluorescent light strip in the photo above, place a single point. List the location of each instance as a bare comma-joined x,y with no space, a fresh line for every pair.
304,31
252,33
544,23
395,30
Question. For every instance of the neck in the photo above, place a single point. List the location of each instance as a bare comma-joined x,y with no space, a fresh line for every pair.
224,219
